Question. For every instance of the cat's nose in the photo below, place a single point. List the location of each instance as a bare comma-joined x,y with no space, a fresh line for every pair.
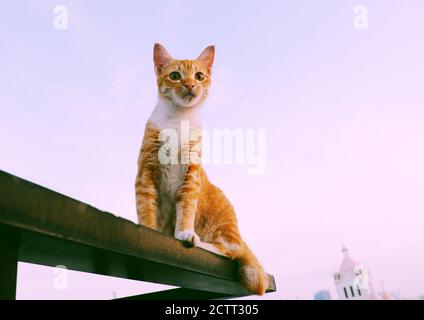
189,85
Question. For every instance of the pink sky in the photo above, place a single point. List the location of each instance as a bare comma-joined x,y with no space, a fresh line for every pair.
343,111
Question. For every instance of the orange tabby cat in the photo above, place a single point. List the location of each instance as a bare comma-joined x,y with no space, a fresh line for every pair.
177,198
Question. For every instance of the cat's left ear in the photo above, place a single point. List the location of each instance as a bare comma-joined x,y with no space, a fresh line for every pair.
206,57
161,58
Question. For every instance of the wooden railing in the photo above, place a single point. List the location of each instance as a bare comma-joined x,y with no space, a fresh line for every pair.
43,227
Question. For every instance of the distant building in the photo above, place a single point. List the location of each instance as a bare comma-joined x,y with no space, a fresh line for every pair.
353,280
322,295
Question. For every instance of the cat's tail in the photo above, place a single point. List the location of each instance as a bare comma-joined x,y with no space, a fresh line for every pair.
252,275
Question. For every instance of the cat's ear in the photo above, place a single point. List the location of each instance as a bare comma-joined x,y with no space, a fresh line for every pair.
206,57
161,57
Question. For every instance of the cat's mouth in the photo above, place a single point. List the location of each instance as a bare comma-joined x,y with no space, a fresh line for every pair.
189,96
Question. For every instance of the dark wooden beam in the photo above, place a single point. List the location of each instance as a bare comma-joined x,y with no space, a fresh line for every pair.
9,253
57,230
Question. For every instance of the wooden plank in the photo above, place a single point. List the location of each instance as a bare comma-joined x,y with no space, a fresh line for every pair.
58,230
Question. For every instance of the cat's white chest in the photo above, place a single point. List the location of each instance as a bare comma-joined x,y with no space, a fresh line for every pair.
171,178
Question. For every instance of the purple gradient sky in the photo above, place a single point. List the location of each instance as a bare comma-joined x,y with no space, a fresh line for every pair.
343,110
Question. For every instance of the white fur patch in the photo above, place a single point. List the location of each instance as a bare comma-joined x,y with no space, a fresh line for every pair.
169,116
231,246
210,247
188,236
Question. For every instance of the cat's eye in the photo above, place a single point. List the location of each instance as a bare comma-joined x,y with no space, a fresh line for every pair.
200,76
175,76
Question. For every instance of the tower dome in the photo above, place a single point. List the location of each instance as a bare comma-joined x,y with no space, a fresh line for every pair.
348,264
353,280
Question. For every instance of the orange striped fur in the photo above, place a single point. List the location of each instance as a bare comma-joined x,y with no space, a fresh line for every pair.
178,199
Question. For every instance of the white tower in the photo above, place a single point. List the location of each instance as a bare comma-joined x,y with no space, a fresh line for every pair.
353,281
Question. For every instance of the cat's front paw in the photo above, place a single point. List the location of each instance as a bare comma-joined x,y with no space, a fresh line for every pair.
188,236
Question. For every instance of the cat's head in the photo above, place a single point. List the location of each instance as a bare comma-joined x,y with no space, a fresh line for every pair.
184,83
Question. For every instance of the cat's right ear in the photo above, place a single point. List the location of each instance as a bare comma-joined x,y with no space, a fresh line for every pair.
207,57
161,57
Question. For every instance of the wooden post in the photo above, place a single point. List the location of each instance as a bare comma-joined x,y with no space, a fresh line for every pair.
9,255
